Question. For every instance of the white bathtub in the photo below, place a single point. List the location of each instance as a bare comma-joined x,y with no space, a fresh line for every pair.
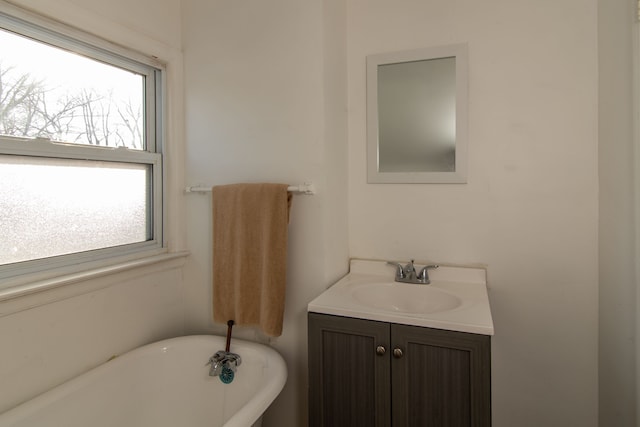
161,384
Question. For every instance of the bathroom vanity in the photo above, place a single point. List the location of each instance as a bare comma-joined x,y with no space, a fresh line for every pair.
383,353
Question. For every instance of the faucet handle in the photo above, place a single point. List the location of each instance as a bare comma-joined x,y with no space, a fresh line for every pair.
423,276
399,269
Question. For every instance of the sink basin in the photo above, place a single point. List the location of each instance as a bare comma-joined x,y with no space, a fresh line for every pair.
456,299
404,298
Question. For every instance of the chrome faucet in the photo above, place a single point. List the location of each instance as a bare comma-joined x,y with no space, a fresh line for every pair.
223,359
407,273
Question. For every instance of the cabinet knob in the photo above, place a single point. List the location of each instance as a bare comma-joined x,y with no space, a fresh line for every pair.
397,353
380,350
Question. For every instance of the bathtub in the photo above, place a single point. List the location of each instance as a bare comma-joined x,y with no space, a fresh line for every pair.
161,384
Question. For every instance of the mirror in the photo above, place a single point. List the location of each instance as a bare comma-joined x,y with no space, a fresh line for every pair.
417,116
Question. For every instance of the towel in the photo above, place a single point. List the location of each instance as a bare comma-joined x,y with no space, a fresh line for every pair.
250,254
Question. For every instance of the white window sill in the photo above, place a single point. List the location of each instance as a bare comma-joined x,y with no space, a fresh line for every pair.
44,291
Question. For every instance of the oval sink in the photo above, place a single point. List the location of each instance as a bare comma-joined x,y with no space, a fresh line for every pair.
405,298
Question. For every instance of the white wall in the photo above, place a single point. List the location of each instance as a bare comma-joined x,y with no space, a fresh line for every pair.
530,208
265,102
617,239
52,336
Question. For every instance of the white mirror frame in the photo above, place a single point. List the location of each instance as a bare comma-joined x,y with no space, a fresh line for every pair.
459,176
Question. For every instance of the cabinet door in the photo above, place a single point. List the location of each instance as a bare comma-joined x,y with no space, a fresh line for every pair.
348,380
442,378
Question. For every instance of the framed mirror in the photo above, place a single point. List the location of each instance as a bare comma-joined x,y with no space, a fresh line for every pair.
417,116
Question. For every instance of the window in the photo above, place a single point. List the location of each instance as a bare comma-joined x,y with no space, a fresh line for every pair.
80,150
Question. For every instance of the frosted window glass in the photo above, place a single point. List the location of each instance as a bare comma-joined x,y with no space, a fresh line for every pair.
52,207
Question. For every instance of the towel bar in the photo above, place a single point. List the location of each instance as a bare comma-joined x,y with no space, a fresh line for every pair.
306,188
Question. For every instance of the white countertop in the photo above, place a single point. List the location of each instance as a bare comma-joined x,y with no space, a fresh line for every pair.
466,286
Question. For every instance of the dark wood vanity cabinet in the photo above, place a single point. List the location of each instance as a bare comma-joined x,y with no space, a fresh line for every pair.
365,373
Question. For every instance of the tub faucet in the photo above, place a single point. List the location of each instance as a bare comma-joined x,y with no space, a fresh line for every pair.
221,360
407,273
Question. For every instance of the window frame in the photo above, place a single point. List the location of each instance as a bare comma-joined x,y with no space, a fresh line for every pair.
76,41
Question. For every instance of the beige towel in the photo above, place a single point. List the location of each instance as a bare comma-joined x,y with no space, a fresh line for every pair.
250,254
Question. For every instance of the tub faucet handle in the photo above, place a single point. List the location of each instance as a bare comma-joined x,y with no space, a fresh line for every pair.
217,362
211,361
233,360
216,366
